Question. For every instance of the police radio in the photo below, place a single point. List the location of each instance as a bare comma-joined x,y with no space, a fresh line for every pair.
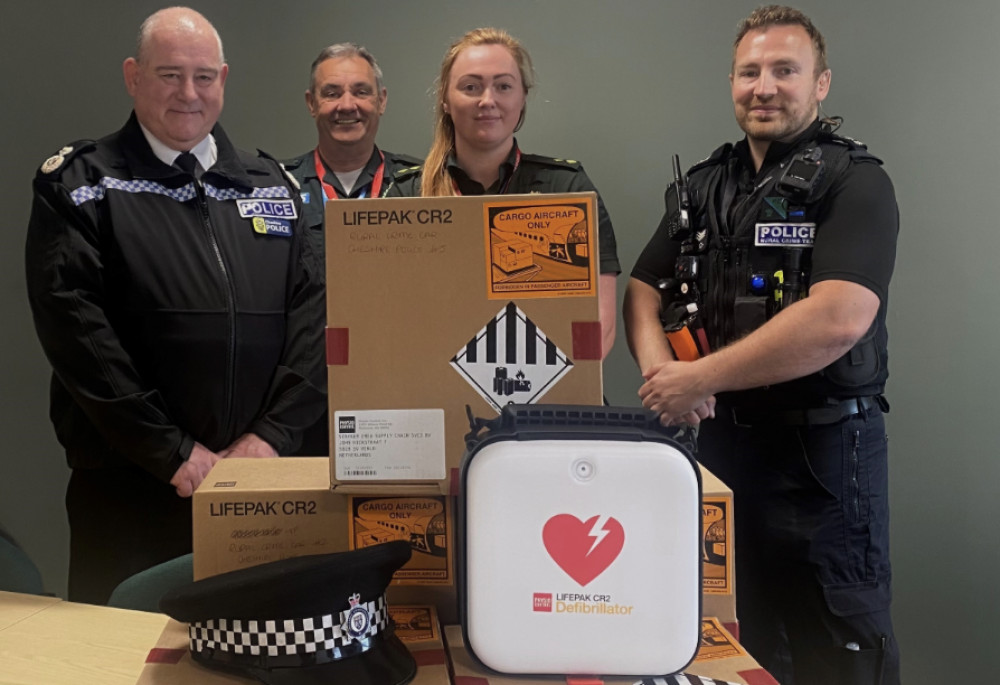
679,226
802,175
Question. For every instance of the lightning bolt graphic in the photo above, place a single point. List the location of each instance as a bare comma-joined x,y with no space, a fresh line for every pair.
598,533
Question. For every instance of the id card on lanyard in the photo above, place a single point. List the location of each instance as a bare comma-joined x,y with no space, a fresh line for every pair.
330,193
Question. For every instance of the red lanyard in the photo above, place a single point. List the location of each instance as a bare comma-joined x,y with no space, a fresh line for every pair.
503,191
330,193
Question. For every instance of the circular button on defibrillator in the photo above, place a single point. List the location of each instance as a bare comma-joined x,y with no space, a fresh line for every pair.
583,470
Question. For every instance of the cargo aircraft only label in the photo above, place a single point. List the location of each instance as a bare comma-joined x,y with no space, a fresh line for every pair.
539,248
510,360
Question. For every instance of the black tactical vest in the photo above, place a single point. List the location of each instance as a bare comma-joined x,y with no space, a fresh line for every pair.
754,251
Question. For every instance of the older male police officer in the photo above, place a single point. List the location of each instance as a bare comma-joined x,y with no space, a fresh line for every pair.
773,263
346,98
171,295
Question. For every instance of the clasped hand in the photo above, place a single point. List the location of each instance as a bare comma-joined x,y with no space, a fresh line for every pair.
673,391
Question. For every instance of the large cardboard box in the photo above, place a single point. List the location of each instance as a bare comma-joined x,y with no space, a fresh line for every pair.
438,304
253,511
170,662
720,657
718,575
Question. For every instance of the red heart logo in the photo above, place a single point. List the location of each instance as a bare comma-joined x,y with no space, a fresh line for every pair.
583,549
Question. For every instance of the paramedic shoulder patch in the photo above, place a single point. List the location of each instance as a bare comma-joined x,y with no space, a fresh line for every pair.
785,235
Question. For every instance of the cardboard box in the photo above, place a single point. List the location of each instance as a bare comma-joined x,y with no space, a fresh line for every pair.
447,303
720,657
170,662
254,511
718,574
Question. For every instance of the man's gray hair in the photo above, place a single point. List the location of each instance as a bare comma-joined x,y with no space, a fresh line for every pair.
340,50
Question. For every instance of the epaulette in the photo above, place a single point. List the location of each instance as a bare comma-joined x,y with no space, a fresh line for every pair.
551,161
399,159
407,172
291,179
857,150
57,161
293,163
718,155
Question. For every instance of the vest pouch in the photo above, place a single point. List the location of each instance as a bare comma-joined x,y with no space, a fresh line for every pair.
859,366
749,314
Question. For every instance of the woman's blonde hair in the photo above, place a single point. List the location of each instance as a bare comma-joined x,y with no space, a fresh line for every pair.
435,180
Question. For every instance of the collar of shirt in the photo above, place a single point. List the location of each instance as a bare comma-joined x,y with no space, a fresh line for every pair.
206,151
362,182
777,151
467,186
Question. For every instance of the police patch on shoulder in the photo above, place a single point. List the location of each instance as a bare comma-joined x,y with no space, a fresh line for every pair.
785,235
53,162
56,161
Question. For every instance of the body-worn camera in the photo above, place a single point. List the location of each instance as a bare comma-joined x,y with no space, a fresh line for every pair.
803,173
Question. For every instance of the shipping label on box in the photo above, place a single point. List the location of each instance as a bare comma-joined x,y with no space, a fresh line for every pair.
423,522
368,444
452,303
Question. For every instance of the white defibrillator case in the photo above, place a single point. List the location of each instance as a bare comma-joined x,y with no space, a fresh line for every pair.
580,543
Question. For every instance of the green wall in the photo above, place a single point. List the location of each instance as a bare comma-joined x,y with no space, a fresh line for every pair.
621,86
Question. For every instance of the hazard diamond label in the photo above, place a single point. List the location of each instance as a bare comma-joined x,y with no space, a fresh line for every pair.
510,361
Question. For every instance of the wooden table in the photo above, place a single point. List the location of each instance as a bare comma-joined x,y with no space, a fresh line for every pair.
44,641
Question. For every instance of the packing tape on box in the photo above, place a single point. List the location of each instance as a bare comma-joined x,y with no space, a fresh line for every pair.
337,346
587,340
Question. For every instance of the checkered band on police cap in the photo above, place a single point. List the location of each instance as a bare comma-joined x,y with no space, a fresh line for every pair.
323,638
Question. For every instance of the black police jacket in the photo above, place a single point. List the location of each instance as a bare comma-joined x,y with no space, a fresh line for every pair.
168,317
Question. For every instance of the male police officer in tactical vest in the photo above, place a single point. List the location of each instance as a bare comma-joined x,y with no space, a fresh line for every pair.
770,274
346,98
170,293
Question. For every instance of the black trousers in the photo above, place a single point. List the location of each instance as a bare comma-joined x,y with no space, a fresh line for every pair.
122,521
813,578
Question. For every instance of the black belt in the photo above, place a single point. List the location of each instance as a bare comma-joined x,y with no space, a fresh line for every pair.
834,412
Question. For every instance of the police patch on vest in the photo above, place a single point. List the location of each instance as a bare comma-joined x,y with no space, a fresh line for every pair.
269,226
785,235
268,209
